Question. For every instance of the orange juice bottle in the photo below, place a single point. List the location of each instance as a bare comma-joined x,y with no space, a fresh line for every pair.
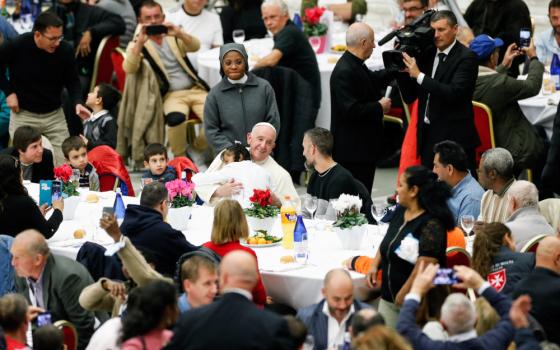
288,219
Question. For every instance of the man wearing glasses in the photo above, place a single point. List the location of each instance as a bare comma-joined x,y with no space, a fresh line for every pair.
40,65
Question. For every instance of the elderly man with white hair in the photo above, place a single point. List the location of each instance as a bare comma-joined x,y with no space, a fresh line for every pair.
458,314
525,221
495,174
261,141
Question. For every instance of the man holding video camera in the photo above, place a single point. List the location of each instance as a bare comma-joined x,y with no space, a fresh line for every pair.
165,45
443,80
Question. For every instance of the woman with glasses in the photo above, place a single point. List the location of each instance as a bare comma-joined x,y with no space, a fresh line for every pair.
229,226
18,211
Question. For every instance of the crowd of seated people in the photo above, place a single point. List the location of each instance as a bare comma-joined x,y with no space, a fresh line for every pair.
172,294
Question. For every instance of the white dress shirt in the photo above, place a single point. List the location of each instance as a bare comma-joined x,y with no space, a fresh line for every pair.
335,335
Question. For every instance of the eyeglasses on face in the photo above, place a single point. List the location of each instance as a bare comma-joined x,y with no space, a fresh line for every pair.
53,39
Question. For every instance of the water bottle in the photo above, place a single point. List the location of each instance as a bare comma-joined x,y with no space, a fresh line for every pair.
300,241
36,8
555,70
3,12
297,21
119,207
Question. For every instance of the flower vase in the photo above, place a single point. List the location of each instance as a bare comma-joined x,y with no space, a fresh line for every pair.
318,43
70,206
351,238
265,224
178,218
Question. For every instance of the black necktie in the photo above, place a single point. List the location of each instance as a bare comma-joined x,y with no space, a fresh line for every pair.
441,57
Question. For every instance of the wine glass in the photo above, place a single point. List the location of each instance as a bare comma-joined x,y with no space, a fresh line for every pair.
378,211
238,36
467,223
315,43
310,203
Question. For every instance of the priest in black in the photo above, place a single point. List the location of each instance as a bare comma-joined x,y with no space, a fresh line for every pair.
330,179
357,106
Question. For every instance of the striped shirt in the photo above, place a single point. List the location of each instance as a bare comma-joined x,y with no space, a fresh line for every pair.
494,205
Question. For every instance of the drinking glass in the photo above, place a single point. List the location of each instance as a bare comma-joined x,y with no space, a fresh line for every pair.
378,211
144,181
238,36
75,178
310,203
467,223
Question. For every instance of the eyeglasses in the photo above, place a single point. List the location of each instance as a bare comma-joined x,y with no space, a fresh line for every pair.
53,39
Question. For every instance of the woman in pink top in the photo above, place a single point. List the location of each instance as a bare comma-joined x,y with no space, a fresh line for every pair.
151,310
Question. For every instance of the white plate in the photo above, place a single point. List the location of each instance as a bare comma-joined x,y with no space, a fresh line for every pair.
260,245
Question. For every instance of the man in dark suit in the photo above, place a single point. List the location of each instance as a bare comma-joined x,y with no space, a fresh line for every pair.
52,282
443,80
36,161
338,307
233,322
458,314
357,106
543,285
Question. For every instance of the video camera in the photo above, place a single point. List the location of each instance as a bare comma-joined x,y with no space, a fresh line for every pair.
413,39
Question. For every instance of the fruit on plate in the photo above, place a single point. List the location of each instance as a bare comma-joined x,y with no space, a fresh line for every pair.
262,237
338,48
79,233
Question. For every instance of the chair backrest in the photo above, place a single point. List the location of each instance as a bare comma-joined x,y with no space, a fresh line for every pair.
485,128
103,65
457,256
117,58
92,256
532,245
394,120
7,282
69,333
181,164
110,167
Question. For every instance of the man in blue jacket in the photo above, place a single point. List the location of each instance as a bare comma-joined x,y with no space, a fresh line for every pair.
458,314
144,225
329,319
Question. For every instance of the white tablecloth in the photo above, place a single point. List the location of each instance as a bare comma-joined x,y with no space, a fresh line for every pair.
298,287
209,69
541,110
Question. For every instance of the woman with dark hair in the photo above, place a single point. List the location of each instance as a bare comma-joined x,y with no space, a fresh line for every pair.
242,14
152,310
416,233
238,102
18,211
494,256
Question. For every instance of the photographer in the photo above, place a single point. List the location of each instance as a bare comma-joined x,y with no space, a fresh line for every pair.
164,45
443,80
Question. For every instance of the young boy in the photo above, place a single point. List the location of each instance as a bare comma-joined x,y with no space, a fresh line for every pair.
100,127
155,159
75,152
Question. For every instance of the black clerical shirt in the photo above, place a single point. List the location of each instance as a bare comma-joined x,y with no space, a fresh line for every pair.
36,76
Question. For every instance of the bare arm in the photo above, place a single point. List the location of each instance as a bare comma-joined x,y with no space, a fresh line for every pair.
270,60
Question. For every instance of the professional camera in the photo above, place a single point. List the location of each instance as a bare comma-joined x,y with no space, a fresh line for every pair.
413,39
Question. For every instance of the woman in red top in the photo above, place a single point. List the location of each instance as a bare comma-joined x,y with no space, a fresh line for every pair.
229,226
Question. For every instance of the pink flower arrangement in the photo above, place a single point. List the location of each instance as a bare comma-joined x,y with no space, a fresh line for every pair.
181,193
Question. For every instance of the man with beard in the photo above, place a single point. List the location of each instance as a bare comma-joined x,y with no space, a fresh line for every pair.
547,41
330,179
500,19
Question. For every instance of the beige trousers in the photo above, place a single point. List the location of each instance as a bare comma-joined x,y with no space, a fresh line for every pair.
183,101
52,125
390,313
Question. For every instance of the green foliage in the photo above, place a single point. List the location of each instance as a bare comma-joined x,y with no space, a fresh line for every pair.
182,201
350,219
70,188
318,29
256,211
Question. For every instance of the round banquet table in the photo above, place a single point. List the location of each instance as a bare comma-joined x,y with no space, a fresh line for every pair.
209,69
541,110
292,284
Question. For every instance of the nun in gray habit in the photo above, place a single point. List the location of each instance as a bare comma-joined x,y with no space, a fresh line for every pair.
238,102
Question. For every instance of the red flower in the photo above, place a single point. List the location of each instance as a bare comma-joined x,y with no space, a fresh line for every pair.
63,172
260,197
313,15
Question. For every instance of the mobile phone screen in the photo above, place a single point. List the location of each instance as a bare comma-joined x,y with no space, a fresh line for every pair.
56,190
43,319
524,38
445,276
108,211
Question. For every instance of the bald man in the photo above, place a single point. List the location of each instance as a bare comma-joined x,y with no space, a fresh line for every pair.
543,285
329,319
233,322
52,282
261,141
357,106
